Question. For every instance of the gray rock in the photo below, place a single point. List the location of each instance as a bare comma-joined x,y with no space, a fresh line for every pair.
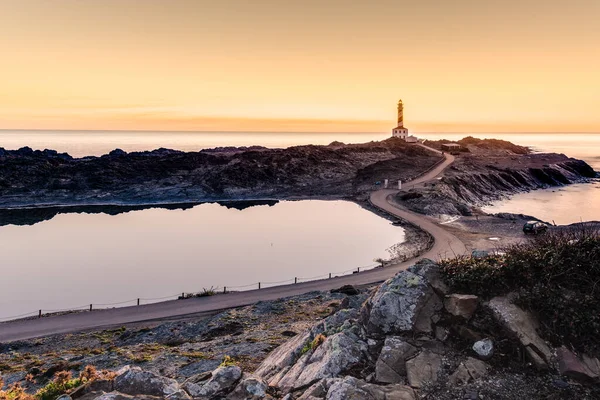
403,303
338,354
351,388
461,305
523,326
484,349
134,381
391,364
64,397
572,366
250,388
318,390
222,381
423,368
281,360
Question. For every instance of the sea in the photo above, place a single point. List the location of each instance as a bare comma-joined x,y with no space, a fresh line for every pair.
67,259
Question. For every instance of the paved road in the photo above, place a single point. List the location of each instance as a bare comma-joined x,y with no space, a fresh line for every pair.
446,244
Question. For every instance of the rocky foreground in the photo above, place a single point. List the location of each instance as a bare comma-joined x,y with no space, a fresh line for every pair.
409,338
489,170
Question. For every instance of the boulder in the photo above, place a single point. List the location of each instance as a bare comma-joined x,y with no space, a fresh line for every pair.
348,290
461,305
470,369
250,388
222,381
337,355
484,349
351,388
391,364
134,381
281,360
403,303
523,326
423,368
586,370
318,390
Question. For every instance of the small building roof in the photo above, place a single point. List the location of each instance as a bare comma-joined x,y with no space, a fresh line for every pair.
451,145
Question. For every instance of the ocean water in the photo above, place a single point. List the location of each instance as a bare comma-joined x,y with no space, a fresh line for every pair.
75,259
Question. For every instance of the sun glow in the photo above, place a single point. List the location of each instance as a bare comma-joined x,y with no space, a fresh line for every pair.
311,66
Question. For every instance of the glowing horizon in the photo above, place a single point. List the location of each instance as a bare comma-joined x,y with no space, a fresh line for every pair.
195,65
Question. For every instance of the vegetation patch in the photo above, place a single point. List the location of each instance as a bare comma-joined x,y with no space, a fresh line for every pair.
556,276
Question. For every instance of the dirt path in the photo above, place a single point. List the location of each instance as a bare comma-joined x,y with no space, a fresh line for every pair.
445,245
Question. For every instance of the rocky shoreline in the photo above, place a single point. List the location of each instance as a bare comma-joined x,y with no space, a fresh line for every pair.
487,170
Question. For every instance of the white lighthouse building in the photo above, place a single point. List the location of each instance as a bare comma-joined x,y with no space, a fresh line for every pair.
400,131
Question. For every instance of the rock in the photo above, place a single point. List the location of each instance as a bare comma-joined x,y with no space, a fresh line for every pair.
461,305
250,388
423,368
222,381
134,381
484,349
351,388
348,290
523,326
318,390
338,354
64,397
403,303
441,333
573,367
391,364
281,360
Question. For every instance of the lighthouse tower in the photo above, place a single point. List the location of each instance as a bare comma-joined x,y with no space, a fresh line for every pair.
400,131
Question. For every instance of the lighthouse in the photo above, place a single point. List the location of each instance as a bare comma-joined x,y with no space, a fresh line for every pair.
400,131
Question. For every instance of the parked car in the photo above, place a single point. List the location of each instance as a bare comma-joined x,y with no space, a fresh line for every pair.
534,227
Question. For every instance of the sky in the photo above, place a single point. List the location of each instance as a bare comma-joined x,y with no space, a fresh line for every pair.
311,65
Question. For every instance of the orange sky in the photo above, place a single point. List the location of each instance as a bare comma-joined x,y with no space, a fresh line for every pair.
312,65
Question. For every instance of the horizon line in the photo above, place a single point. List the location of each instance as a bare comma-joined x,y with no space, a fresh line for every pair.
299,132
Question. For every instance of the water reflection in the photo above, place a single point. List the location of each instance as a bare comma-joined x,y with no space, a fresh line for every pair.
31,216
104,255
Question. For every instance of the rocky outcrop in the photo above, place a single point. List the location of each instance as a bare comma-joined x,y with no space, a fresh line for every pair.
523,326
35,178
404,303
133,381
222,381
391,364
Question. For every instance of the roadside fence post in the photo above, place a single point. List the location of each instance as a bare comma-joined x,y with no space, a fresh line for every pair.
358,269
138,301
224,289
295,280
330,275
40,314
90,307
259,285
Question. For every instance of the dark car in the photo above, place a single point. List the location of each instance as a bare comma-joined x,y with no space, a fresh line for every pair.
534,227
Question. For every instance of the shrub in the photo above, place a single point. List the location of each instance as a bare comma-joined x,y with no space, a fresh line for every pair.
556,275
63,383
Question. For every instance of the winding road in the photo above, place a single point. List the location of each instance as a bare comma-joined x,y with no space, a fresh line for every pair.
445,244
